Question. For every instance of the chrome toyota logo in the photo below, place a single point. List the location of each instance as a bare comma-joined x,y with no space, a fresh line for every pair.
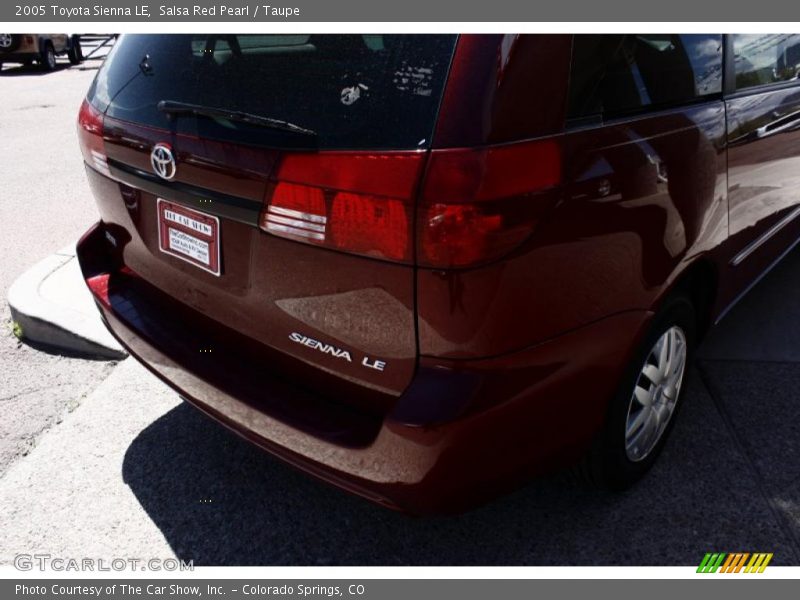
163,161
5,40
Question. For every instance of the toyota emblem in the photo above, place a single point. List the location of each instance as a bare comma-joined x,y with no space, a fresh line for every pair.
163,161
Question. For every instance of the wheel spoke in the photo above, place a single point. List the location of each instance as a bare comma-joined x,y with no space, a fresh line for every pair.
663,413
652,372
665,354
643,396
679,362
642,438
637,422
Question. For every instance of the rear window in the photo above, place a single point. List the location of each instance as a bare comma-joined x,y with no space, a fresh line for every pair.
354,91
618,74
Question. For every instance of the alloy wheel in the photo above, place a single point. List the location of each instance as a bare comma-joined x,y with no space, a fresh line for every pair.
656,393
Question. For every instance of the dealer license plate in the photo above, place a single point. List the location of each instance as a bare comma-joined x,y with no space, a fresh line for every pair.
190,235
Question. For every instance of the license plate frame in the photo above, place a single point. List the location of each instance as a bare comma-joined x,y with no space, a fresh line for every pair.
189,235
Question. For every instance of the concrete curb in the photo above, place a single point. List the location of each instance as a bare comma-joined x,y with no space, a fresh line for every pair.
52,306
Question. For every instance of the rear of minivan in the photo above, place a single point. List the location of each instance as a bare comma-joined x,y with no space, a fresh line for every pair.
415,266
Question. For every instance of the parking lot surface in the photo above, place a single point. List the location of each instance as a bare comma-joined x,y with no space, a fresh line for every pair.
45,204
122,468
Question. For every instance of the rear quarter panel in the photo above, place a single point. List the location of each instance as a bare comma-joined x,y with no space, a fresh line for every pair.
641,199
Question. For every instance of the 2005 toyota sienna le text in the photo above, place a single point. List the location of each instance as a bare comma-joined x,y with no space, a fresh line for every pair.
428,267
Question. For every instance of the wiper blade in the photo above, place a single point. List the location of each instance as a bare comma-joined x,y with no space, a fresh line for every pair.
182,108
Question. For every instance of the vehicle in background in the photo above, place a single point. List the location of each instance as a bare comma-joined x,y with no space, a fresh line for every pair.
41,48
427,267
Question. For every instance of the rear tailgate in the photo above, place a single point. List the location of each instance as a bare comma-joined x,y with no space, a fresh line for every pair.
347,314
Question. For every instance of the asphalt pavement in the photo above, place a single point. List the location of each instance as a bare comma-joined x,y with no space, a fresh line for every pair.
121,467
45,204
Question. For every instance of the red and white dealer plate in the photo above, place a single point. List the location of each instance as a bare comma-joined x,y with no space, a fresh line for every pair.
190,235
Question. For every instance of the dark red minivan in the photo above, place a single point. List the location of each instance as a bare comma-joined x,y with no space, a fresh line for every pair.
427,267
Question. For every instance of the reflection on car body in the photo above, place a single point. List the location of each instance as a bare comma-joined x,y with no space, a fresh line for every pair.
492,258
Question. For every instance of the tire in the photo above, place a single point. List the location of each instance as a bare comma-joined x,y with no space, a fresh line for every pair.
9,42
617,460
75,54
47,61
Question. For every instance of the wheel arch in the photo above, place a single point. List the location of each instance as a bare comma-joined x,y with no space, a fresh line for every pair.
700,282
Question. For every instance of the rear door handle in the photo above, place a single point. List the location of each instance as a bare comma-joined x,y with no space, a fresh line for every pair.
779,125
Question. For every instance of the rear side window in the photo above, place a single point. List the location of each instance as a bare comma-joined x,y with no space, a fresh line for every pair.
617,74
354,91
766,59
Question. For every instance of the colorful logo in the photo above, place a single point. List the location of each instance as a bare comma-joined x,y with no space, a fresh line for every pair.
734,562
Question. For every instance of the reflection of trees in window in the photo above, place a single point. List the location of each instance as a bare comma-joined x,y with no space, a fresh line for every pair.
623,73
765,59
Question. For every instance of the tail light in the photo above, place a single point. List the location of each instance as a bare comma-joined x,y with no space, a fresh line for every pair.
478,205
98,285
360,203
475,205
90,136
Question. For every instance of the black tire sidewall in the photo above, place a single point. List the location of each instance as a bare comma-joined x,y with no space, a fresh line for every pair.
75,53
617,471
48,51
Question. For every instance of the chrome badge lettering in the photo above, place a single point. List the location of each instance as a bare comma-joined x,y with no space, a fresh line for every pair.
320,346
299,338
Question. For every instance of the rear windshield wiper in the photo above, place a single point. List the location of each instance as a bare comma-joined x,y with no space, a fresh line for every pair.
182,108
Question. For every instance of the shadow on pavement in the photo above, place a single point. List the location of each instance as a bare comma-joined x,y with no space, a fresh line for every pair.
18,70
728,480
58,351
765,325
220,501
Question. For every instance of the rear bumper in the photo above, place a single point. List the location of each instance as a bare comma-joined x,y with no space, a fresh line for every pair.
461,433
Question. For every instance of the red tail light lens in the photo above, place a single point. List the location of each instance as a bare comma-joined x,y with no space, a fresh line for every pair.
391,174
98,285
457,234
360,203
478,205
90,136
370,225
